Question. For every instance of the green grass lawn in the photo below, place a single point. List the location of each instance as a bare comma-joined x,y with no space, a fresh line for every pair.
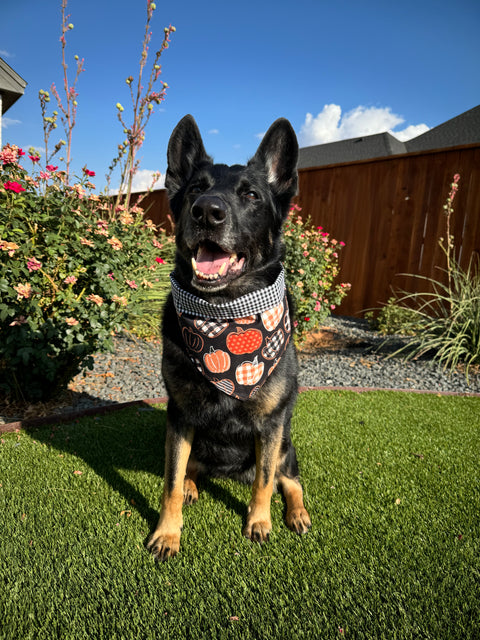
392,483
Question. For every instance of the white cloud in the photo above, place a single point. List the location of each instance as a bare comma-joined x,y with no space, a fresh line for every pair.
331,125
260,136
9,122
142,181
5,54
410,132
214,131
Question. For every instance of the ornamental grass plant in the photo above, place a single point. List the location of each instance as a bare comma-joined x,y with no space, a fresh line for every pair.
445,319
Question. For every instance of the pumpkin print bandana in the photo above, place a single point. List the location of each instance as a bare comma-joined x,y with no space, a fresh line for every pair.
236,354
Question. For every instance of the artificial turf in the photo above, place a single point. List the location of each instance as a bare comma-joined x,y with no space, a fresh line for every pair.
392,483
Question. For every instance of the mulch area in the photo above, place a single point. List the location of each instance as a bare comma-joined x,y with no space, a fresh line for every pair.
13,411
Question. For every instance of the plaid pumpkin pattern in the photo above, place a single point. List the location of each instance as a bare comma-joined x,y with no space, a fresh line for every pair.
211,328
271,317
250,372
273,345
248,343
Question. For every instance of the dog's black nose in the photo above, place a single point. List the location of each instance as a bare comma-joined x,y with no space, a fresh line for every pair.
209,211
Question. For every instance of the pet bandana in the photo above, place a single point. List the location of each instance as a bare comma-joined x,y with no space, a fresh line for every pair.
235,345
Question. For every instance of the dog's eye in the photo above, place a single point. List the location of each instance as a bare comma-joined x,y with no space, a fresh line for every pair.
196,189
251,195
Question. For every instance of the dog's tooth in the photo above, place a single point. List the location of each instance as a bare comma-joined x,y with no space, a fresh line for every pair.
194,264
233,258
222,269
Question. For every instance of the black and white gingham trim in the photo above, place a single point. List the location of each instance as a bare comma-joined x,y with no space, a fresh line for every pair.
247,305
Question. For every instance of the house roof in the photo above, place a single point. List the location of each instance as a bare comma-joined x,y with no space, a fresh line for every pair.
362,148
463,129
12,86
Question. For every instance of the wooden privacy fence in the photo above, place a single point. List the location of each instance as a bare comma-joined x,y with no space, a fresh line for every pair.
389,212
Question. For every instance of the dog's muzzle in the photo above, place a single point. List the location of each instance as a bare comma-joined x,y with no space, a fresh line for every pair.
213,265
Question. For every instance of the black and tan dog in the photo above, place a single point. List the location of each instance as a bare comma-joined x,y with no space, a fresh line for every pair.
230,402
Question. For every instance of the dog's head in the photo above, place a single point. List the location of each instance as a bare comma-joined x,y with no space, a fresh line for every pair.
229,219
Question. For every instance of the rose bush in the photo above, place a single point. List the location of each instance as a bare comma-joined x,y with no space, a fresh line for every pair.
71,271
311,267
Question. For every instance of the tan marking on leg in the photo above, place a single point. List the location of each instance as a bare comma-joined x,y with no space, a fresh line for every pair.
297,517
259,524
270,398
165,540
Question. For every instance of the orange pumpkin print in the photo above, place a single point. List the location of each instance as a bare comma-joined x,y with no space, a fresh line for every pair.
249,372
272,317
217,361
245,320
244,341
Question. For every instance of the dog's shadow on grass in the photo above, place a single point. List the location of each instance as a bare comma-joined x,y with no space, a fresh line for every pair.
131,440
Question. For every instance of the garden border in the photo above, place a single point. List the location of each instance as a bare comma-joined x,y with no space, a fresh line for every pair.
59,418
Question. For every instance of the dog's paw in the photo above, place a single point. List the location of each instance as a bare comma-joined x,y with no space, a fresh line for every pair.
298,520
190,492
257,530
164,545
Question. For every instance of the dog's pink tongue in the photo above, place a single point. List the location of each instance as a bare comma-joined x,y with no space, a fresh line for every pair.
210,262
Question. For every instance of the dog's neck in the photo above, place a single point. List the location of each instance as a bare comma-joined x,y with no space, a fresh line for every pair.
241,286
251,303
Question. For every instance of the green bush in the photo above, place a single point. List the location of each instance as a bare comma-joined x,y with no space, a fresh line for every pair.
71,271
393,318
311,267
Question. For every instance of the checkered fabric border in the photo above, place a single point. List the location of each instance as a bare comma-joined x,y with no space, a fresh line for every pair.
249,304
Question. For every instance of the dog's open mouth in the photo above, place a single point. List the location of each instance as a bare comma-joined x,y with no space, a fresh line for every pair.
212,265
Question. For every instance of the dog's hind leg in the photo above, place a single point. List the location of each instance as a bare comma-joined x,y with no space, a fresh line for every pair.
296,517
165,540
190,491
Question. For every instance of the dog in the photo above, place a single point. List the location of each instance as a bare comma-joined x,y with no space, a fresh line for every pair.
229,365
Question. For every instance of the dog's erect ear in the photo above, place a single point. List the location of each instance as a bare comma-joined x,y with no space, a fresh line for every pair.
185,154
278,152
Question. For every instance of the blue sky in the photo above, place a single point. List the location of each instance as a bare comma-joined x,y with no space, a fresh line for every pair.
335,69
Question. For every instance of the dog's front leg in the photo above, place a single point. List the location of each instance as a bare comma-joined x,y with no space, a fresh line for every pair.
165,540
267,448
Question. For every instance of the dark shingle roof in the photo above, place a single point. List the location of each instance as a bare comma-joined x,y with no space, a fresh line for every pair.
362,148
463,129
12,85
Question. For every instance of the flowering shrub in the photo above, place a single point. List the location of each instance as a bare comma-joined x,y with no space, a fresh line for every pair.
311,266
70,272
144,320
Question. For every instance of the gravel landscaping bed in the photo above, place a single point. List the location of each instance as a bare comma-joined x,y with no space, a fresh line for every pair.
344,354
